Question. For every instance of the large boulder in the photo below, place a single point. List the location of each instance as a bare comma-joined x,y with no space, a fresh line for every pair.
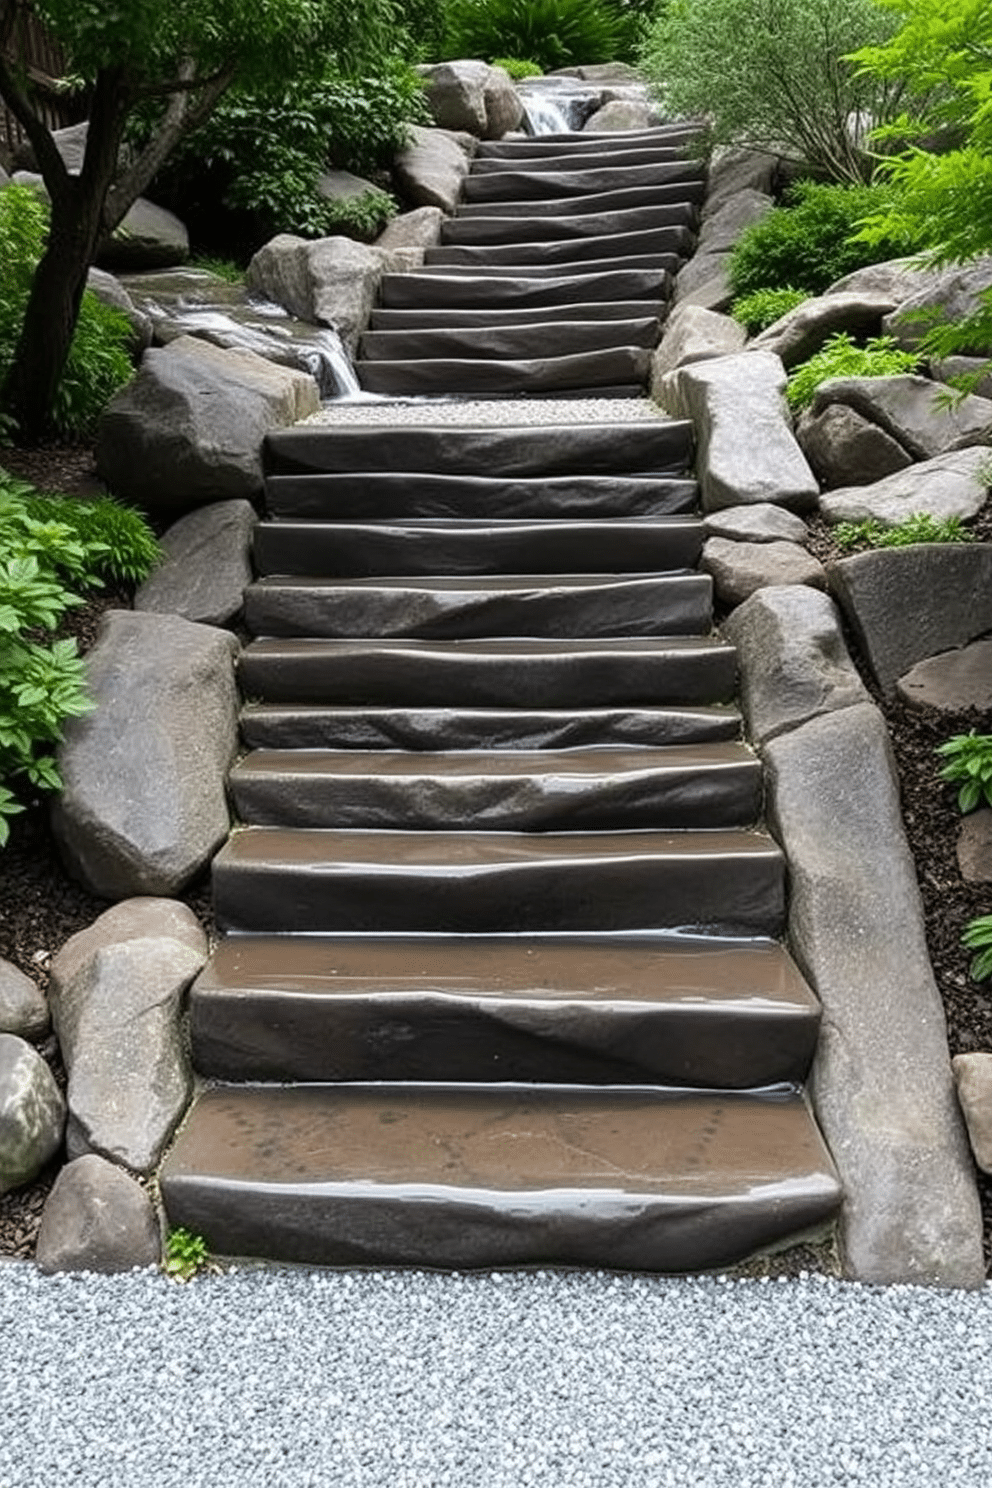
332,281
620,114
419,229
800,333
23,1009
693,334
149,237
739,569
110,291
117,993
143,807
189,428
905,604
955,294
913,410
32,1113
951,486
207,565
97,1218
733,170
896,279
705,281
721,228
747,452
472,97
431,167
844,449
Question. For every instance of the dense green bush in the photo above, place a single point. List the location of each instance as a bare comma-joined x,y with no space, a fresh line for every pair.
99,362
551,33
517,69
808,242
841,356
50,548
761,308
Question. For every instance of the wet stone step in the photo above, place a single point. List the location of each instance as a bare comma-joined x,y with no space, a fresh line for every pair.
677,241
455,1176
612,198
286,880
523,184
577,790
507,673
475,607
270,726
479,230
596,156
433,319
572,142
543,338
684,1011
414,291
616,263
618,367
475,546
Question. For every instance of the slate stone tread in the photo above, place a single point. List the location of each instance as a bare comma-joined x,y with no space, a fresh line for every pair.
478,231
512,341
617,366
521,183
609,198
663,260
673,239
414,290
437,318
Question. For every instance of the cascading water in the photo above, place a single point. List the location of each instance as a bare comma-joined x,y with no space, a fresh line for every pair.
557,105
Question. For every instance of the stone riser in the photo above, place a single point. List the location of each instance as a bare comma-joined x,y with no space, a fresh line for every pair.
523,184
620,366
452,290
436,319
578,141
477,231
509,342
613,198
493,275
675,240
596,156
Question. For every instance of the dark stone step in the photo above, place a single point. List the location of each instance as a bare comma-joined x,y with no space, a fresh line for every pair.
268,726
637,1179
577,142
651,445
457,291
619,366
612,199
513,342
677,241
490,674
684,1011
600,154
523,184
275,880
353,549
668,263
395,495
472,607
434,319
477,230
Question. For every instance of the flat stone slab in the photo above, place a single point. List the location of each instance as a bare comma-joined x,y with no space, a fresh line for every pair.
493,291
951,485
376,1175
740,569
613,198
675,238
617,367
761,523
974,847
524,184
973,1077
913,410
951,681
431,318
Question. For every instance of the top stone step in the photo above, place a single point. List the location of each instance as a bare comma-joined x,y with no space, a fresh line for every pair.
610,198
594,158
515,185
681,135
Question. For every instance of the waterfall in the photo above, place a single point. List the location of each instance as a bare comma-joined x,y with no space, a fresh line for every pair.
557,105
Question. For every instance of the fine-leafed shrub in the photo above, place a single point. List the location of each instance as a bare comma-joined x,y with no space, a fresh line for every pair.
920,527
517,69
760,309
841,356
550,33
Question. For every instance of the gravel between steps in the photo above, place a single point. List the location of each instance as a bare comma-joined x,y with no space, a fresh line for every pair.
413,1380
501,412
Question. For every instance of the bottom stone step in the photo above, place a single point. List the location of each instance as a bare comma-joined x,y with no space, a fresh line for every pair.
631,1179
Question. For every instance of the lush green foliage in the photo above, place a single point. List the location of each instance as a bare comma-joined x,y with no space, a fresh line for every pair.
99,362
969,760
761,308
841,356
223,268
978,937
185,1254
771,74
517,69
808,242
551,33
50,548
920,527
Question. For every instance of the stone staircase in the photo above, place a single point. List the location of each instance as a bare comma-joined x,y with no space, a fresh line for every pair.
500,980
553,277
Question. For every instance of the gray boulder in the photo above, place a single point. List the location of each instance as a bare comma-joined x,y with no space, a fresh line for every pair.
897,280
207,565
149,237
845,449
881,1085
342,185
620,114
746,450
721,228
472,97
691,335
70,143
913,410
4,178
793,660
110,291
905,604
951,681
188,429
973,1077
974,847
950,486
143,807
800,333
757,524
32,1113
429,171
955,294
332,281
97,1218
733,170
419,229
951,368
23,1009
740,568
117,992
705,281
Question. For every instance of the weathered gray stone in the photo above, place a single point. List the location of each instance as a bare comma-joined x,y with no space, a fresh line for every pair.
953,485
429,171
472,97
845,449
741,568
705,281
207,565
32,1113
600,72
733,170
97,1218
896,280
70,143
332,281
955,294
143,808
418,229
951,681
914,410
974,847
342,185
973,1077
739,211
23,1009
691,335
757,524
150,237
117,990
950,368
619,114
110,291
747,452
800,333
793,660
905,604
188,429
881,1085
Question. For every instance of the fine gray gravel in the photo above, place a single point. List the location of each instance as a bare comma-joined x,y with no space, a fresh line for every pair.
412,1380
503,412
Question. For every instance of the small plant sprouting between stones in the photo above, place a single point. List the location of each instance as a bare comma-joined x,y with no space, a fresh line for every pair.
763,307
186,1254
969,761
841,356
920,527
978,937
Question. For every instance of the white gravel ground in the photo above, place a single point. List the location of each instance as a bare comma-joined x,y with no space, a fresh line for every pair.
499,411
409,1380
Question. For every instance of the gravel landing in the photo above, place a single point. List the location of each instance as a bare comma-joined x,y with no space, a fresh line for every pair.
432,412
412,1380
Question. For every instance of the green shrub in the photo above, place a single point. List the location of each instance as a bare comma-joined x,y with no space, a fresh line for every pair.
841,356
757,311
516,69
807,243
99,361
978,937
552,33
969,760
920,527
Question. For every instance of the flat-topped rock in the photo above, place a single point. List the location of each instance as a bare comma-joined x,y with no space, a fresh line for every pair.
914,411
739,569
207,564
954,485
951,681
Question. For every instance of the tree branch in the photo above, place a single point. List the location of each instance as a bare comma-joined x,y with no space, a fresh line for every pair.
50,162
